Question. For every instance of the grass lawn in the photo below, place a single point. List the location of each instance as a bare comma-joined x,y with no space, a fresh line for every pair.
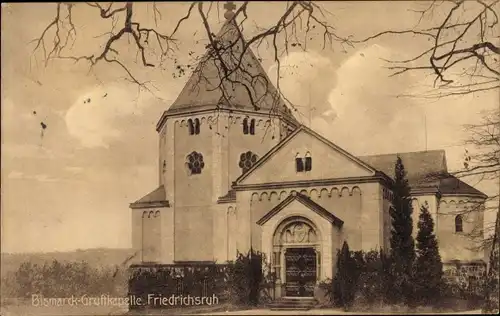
26,308
191,310
12,307
458,306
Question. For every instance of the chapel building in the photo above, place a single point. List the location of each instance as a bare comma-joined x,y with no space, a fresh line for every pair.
238,171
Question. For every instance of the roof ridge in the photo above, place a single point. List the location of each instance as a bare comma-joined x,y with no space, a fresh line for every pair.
404,152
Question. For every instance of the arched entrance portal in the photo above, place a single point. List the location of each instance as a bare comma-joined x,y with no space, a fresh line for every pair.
296,256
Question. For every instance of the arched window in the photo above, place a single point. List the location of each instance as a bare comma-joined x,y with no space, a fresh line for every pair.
245,126
308,162
247,160
299,163
195,162
459,224
196,126
252,127
303,164
191,127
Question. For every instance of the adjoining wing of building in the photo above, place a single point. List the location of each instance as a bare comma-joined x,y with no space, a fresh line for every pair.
237,170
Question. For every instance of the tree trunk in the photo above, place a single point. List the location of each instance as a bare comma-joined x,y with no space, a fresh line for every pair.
491,304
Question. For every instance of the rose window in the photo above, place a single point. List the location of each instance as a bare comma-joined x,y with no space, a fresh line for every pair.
195,162
247,160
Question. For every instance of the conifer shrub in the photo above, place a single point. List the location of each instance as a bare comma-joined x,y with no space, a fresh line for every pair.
428,269
344,282
246,278
402,254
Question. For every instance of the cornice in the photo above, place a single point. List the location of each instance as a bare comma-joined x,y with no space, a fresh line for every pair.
309,183
440,195
212,108
306,202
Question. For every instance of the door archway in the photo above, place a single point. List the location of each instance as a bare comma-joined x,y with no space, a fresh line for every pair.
296,257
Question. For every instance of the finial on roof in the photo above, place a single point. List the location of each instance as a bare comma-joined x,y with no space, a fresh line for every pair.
229,6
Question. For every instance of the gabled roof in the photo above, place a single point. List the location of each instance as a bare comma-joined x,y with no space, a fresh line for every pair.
417,164
451,185
426,171
249,79
286,140
156,198
308,203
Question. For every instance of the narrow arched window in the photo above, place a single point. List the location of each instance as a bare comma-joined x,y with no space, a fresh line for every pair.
191,127
459,224
299,163
252,127
247,160
308,162
245,126
196,126
195,162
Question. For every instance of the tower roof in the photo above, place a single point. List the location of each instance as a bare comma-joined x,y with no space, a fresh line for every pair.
246,85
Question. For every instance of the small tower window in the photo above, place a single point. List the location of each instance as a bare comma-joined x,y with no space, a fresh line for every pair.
191,127
299,164
245,126
247,160
195,162
196,126
459,224
164,166
308,162
252,127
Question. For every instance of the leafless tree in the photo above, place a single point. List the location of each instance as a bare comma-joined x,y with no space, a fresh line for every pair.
485,137
297,24
462,54
484,162
481,163
463,48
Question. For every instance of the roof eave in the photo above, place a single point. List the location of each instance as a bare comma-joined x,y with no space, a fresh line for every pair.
425,191
471,195
152,204
161,121
212,107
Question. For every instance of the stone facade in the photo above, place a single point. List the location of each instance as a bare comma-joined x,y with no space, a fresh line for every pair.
242,177
341,198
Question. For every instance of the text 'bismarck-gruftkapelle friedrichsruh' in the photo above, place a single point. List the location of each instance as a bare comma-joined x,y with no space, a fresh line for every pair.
106,300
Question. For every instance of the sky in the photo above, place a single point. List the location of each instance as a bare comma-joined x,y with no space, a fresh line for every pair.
70,186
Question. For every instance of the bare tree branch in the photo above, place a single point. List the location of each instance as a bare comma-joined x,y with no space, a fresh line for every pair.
482,162
467,35
290,29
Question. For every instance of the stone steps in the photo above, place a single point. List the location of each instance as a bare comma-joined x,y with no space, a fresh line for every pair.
289,304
